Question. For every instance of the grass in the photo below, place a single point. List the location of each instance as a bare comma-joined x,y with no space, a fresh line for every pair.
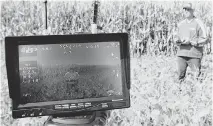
156,98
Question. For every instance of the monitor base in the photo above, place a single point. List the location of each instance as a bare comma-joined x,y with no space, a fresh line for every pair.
98,118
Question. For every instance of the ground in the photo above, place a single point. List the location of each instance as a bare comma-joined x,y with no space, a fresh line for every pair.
94,81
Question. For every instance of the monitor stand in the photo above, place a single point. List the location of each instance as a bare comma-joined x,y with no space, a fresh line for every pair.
90,119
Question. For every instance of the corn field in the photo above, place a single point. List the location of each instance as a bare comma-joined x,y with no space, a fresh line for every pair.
149,24
156,99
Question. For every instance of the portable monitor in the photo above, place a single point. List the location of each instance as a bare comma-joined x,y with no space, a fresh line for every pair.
67,74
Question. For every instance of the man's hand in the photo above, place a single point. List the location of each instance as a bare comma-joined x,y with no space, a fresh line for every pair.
194,43
177,40
185,41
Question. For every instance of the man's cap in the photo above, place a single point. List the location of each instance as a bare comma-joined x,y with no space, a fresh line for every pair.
188,6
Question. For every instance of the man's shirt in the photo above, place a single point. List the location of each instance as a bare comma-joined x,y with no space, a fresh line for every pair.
195,31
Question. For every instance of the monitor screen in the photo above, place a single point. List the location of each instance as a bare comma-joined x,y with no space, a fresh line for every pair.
68,71
67,74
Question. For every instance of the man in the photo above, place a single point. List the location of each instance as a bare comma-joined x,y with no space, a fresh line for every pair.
190,38
71,78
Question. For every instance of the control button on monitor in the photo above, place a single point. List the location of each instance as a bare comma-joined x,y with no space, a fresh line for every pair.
73,106
58,107
32,114
104,105
80,105
40,112
88,104
23,115
65,106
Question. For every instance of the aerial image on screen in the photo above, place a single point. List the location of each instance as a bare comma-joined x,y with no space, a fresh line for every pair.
53,72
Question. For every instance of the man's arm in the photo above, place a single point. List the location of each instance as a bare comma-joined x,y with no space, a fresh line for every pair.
201,39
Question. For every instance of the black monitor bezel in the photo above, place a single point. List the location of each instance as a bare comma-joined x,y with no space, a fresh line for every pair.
12,57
